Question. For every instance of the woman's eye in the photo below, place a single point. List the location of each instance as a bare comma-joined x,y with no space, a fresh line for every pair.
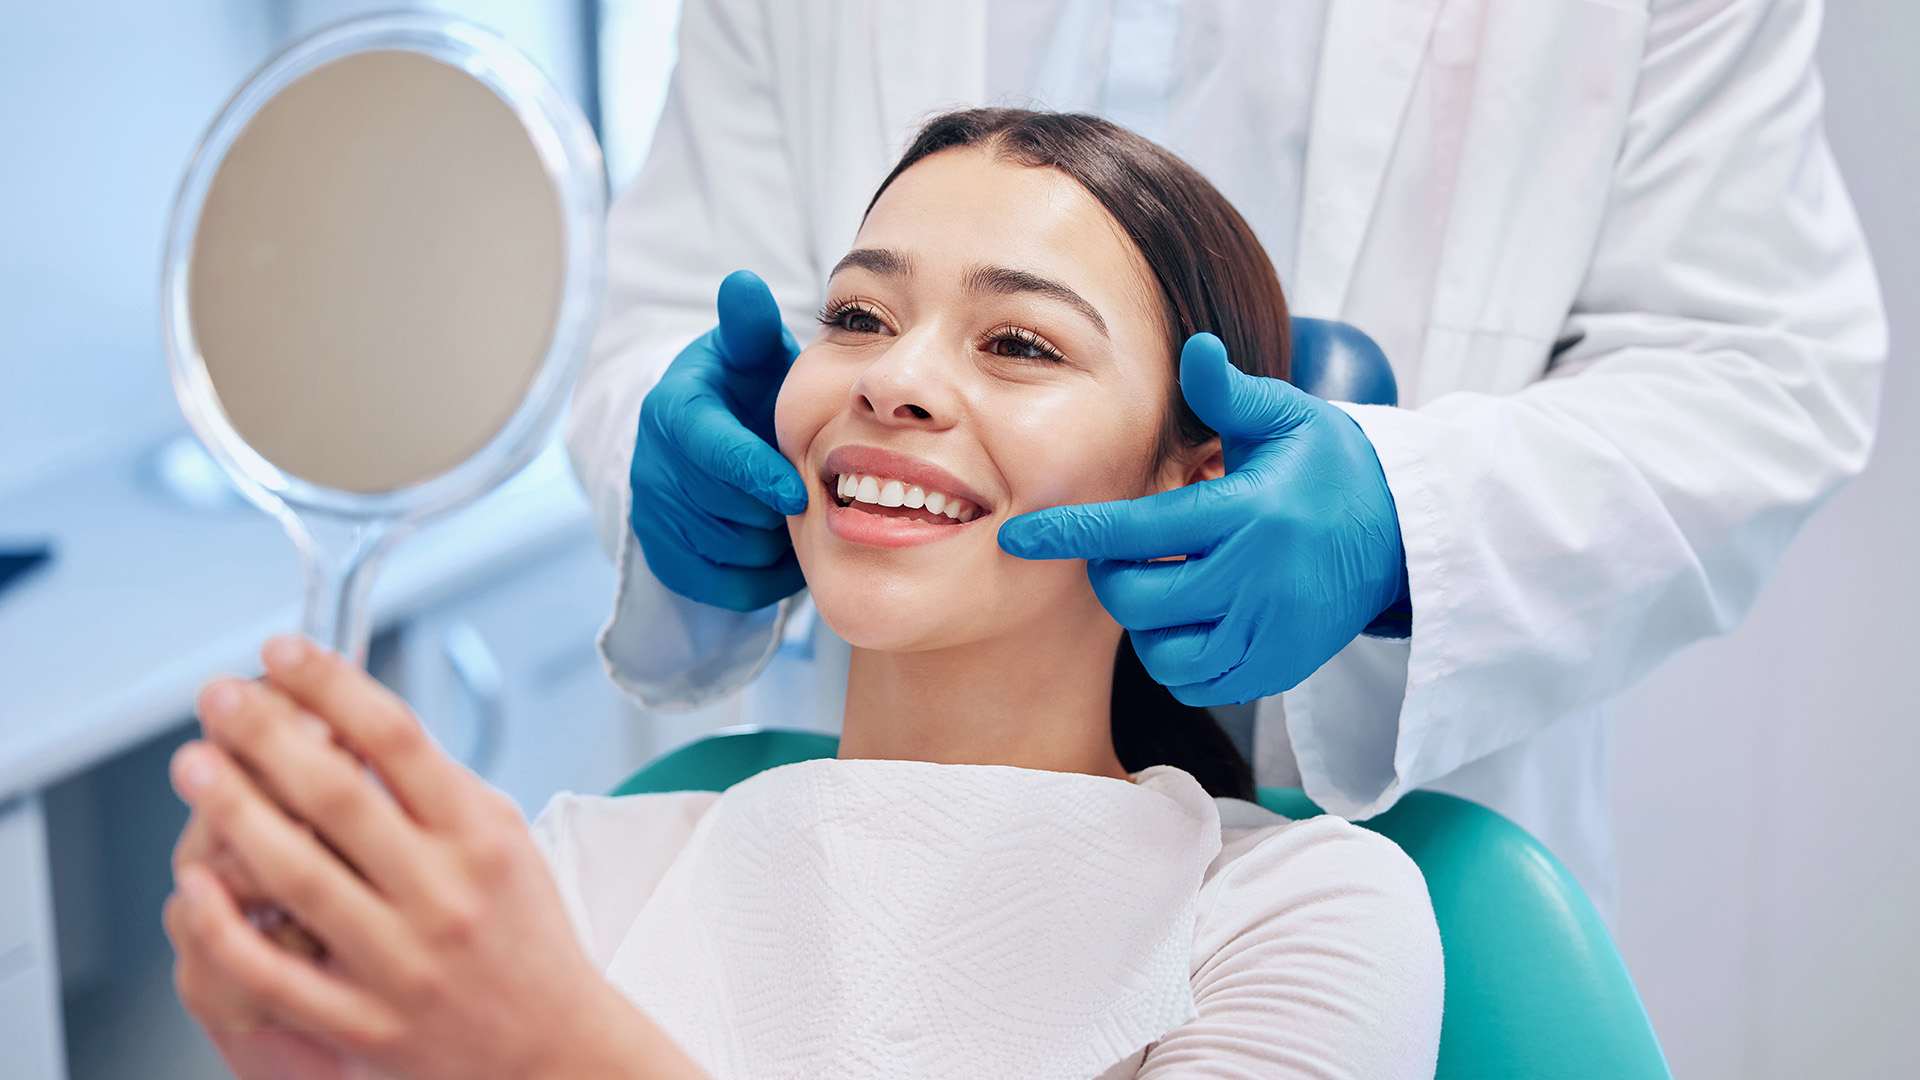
853,317
1021,347
856,320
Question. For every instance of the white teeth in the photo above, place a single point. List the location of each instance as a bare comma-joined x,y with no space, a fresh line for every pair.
883,491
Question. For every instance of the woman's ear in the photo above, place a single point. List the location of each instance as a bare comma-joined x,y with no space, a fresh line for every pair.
1192,464
1207,463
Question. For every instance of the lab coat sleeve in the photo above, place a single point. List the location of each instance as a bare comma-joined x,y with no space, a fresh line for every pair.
717,194
1716,380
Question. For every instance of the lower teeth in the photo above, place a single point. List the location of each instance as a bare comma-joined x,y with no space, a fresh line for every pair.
877,510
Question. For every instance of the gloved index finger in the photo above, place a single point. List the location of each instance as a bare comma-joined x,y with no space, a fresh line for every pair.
1184,521
716,443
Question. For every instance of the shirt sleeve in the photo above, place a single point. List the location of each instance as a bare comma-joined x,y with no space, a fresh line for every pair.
718,193
1315,955
1716,380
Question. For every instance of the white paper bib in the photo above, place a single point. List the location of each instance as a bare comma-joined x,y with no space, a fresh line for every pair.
904,919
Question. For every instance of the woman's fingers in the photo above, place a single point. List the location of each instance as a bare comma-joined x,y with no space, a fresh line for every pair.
255,1044
217,1001
290,864
232,961
198,843
375,724
286,1055
294,758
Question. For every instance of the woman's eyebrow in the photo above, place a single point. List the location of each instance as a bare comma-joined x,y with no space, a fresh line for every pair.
1006,280
878,260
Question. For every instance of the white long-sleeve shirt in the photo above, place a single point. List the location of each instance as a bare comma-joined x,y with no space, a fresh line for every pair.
1313,947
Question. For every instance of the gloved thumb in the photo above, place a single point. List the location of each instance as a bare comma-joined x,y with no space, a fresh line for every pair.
752,338
1231,402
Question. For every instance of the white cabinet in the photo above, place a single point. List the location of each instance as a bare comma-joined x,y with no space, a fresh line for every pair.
31,1047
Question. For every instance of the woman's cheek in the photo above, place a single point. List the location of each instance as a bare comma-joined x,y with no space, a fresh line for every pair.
1074,465
797,412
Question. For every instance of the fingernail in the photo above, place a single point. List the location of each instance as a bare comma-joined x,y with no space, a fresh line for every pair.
285,652
222,697
192,772
313,727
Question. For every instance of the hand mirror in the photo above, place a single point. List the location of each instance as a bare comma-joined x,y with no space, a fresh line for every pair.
383,267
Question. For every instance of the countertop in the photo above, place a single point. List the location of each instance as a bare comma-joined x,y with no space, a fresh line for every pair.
146,597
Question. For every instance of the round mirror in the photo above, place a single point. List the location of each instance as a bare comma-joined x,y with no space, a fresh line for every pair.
382,271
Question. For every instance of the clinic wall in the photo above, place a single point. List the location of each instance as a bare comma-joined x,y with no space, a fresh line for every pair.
101,102
1766,808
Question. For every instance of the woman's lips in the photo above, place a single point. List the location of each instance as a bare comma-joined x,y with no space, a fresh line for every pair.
864,463
889,499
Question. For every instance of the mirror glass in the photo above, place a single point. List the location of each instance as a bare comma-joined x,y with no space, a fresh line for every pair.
383,269
376,272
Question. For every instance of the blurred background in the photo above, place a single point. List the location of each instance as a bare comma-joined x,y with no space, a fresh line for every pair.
1766,814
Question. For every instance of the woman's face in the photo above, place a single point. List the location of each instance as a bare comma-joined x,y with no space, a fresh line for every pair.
992,345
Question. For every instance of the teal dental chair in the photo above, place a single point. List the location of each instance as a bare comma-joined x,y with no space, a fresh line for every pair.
1535,988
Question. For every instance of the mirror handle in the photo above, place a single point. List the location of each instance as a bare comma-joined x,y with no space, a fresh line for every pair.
340,557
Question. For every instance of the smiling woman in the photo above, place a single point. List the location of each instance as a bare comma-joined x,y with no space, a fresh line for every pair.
1003,337
1014,868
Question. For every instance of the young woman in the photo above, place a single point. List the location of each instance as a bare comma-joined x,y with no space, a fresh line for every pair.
1026,862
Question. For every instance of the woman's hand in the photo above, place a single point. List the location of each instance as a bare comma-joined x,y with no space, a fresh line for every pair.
253,1042
448,950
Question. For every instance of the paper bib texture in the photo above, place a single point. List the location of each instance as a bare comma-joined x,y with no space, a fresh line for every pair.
904,919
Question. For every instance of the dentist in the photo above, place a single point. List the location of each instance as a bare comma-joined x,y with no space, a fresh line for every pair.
1602,242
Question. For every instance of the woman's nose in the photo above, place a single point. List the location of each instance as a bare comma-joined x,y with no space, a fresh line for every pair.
910,384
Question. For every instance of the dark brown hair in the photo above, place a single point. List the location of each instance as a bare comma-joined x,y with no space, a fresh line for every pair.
1214,276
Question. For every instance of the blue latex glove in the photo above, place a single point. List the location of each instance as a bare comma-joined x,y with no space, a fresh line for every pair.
709,490
1290,555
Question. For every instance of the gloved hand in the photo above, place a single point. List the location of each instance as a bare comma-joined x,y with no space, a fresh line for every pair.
1290,555
709,490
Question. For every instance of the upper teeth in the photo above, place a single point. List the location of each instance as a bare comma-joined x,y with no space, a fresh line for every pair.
886,491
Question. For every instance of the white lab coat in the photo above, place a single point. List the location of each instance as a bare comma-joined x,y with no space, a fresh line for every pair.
1603,242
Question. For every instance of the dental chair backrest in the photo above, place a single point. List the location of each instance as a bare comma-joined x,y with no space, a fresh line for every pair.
1336,362
1535,987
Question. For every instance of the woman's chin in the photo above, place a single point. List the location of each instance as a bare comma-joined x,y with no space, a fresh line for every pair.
891,599
884,625
936,596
